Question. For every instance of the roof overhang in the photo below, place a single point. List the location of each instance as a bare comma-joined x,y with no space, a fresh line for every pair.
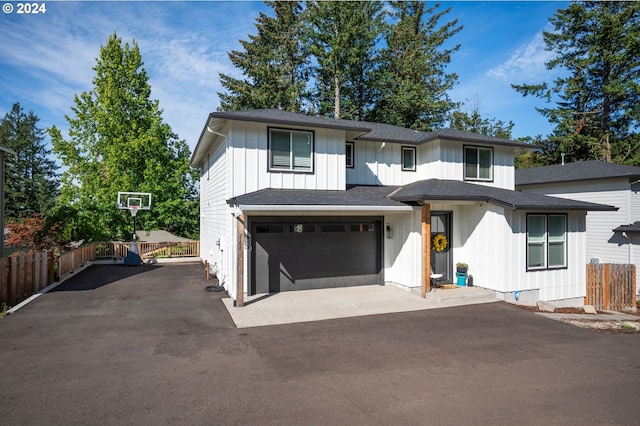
314,210
449,191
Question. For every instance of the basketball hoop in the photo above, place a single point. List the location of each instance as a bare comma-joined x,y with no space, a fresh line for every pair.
134,210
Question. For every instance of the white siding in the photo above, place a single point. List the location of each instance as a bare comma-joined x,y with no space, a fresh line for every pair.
249,159
601,241
214,210
403,252
379,163
493,242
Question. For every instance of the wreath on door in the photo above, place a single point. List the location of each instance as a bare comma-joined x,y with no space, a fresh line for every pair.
440,242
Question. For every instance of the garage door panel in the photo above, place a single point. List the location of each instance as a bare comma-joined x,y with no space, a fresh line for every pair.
345,254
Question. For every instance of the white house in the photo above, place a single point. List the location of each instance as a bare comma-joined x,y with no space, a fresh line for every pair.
612,237
292,202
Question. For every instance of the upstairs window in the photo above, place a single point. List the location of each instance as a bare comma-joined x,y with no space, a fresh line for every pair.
546,241
478,163
409,158
349,155
290,150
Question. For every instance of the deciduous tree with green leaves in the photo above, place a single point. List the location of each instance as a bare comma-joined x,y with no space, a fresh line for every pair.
274,63
118,141
596,111
31,181
413,79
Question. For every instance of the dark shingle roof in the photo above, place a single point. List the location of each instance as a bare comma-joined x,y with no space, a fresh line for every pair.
353,196
583,170
451,190
363,130
634,227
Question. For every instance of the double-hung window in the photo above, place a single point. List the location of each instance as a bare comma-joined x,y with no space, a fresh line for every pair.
478,163
290,150
546,241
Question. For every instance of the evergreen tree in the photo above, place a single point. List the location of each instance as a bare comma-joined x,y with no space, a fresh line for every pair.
274,64
31,181
342,37
597,97
413,76
119,142
474,122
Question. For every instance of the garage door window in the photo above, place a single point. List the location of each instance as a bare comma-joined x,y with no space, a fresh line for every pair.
269,229
290,150
302,227
333,227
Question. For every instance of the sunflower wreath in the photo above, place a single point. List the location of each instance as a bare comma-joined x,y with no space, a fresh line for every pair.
440,242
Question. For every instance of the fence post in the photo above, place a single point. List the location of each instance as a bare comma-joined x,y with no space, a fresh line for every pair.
607,285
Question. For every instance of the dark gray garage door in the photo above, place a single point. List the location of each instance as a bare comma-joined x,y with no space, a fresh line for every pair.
306,253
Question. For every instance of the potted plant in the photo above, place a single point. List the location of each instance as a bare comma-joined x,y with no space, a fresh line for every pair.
462,267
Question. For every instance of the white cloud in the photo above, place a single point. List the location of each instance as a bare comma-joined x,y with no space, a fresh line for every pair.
525,63
49,59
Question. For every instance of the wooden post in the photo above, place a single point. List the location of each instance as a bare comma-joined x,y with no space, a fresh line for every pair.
607,286
426,250
240,262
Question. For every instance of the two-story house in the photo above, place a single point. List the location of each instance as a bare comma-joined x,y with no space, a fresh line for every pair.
293,202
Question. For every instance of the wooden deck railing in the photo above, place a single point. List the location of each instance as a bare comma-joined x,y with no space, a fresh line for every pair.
22,276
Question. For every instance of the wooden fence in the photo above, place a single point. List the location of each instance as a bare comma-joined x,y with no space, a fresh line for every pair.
22,276
611,286
25,275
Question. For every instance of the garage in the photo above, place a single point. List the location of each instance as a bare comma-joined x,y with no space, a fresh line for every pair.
301,253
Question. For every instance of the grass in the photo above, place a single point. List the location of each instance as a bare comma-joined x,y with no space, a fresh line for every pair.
3,310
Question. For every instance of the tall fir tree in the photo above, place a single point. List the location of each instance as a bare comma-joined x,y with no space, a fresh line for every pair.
414,82
597,96
274,63
473,121
119,142
31,182
342,37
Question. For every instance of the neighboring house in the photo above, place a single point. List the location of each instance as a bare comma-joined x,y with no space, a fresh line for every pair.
612,237
291,202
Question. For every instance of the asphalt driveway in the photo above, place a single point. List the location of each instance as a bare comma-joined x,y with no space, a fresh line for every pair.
147,345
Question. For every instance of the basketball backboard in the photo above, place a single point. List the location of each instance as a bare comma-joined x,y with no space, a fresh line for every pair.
139,200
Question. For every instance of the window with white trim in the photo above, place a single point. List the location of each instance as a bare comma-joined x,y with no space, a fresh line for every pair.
546,241
349,154
478,163
409,158
290,150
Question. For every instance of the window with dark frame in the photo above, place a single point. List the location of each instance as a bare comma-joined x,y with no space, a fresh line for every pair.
409,158
290,150
546,241
478,163
349,154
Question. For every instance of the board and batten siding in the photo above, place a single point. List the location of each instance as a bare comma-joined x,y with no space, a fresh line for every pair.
214,212
380,163
250,163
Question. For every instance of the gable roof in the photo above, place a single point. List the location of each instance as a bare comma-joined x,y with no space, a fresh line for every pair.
578,171
435,190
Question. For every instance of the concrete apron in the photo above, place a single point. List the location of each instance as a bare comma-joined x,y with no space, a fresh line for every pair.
316,305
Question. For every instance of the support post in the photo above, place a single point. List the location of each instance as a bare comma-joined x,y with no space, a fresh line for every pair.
240,222
426,250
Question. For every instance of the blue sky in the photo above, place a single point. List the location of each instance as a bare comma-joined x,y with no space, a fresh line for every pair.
46,59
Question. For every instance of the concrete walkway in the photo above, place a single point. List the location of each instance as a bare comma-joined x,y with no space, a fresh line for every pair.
314,305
